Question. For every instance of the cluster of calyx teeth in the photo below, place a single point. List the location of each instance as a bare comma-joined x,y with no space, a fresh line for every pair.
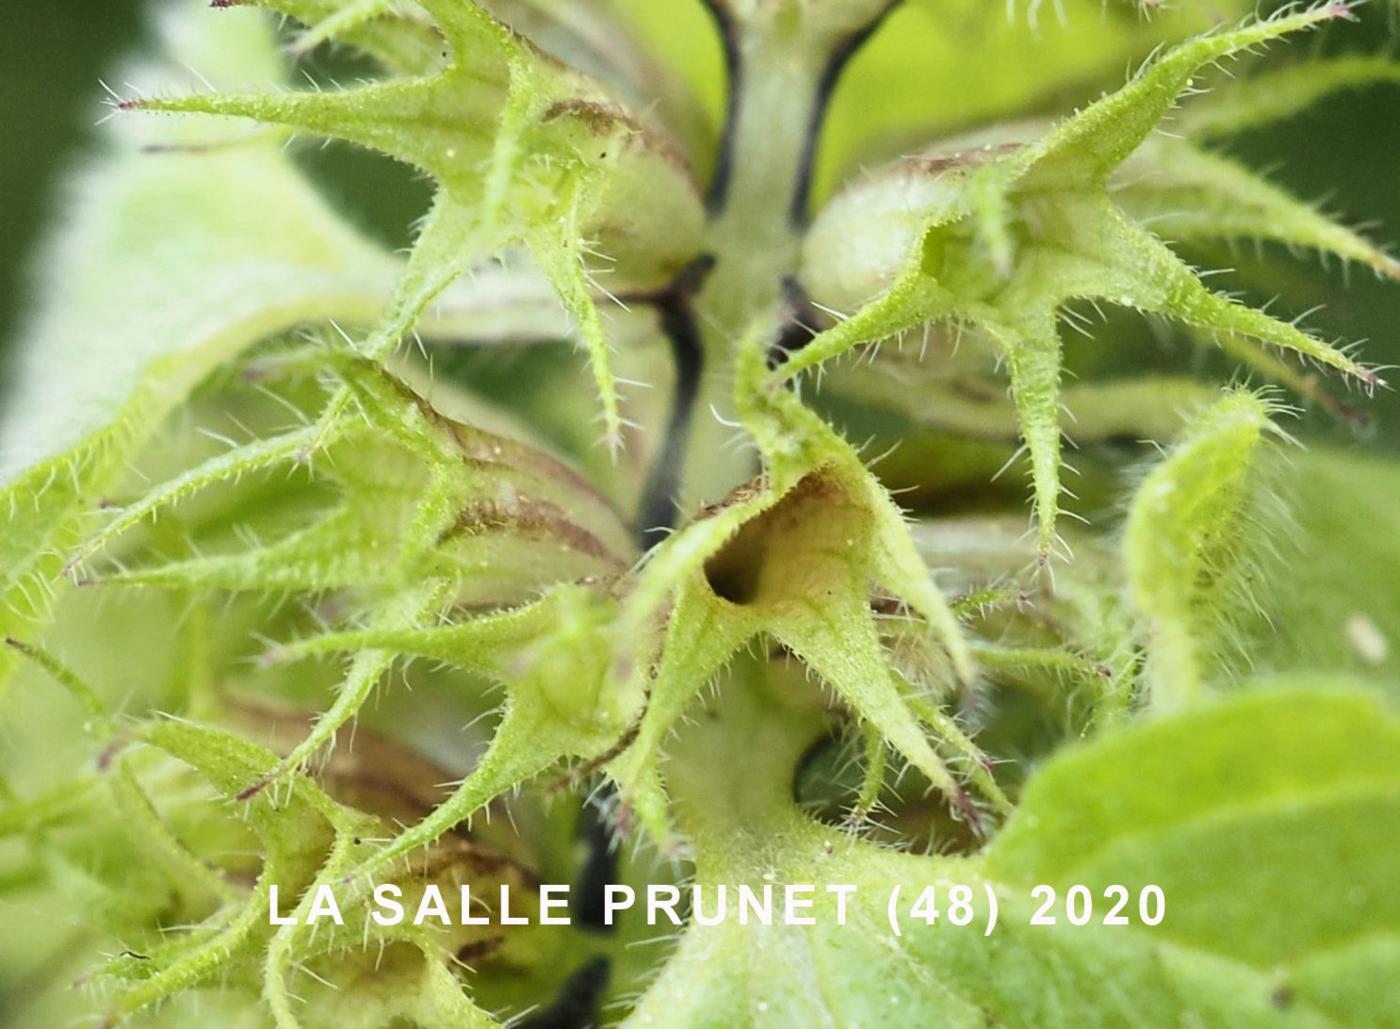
602,627
998,244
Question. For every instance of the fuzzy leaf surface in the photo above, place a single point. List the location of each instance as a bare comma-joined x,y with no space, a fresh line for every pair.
1147,805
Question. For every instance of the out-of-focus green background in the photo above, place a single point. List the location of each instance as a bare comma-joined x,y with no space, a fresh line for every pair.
1346,149
53,59
50,57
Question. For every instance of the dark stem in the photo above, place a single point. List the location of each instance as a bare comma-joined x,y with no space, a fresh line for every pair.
826,88
718,193
675,308
576,1006
801,322
599,865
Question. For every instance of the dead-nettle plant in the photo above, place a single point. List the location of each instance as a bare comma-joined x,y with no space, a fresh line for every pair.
733,646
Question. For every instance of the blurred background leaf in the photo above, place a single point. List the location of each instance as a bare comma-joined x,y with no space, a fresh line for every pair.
55,57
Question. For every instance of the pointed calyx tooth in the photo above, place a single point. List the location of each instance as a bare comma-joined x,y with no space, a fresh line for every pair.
512,135
524,151
794,562
1001,243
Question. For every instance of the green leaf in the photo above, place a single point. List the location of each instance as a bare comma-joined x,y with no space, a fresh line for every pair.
1312,796
1258,100
117,342
1187,195
1336,606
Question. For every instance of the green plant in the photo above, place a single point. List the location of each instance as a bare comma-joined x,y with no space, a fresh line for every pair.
1105,706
